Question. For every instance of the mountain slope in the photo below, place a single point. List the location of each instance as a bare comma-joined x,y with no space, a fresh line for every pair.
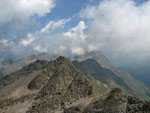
65,86
45,87
58,87
142,73
122,78
1,74
106,76
117,102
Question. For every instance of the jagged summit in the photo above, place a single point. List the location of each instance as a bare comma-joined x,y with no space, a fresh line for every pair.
64,86
61,59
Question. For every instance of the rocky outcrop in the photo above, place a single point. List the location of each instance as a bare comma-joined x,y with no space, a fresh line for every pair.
114,102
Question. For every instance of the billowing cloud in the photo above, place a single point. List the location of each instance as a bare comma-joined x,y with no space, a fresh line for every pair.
77,32
61,43
77,51
4,42
119,28
40,49
17,20
92,47
46,41
28,40
24,9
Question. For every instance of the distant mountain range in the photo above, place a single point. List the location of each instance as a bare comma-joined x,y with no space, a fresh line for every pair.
57,86
8,66
93,64
4,62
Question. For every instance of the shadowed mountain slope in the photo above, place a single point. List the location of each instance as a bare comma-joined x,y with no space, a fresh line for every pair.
1,74
106,76
141,72
112,74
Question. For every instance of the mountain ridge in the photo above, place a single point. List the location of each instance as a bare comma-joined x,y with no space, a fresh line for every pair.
132,83
57,86
61,73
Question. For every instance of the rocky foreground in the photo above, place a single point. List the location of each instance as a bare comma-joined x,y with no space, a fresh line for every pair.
58,87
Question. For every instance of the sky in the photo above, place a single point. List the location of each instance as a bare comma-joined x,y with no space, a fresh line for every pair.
117,28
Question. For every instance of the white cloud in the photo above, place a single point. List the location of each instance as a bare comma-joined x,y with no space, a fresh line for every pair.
119,27
40,49
62,47
92,47
23,9
116,27
77,51
29,40
52,25
77,32
4,42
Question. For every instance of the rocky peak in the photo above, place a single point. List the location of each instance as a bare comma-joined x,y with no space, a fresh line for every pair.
64,86
60,64
61,59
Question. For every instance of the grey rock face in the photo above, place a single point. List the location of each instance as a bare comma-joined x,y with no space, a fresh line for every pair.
64,86
117,102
